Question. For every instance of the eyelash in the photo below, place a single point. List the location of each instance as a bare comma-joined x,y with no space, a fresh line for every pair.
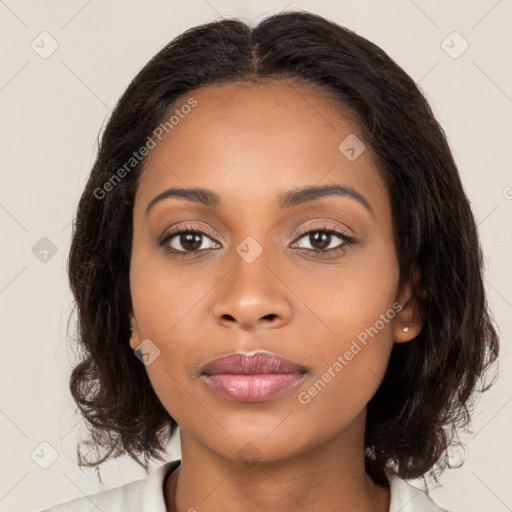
347,240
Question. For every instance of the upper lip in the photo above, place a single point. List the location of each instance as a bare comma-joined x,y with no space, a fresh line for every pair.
251,364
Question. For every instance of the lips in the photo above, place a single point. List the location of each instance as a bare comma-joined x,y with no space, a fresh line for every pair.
252,378
256,364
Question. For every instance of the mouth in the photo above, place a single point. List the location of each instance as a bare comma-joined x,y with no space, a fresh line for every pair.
252,378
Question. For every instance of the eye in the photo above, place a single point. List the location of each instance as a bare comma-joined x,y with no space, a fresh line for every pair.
321,239
191,240
185,240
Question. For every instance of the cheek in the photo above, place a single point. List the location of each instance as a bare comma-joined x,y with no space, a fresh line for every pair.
164,294
351,299
167,303
341,391
357,304
350,365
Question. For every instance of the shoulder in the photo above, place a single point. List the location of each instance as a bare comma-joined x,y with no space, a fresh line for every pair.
137,496
407,498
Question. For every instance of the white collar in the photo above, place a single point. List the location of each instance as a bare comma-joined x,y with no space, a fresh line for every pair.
153,491
407,498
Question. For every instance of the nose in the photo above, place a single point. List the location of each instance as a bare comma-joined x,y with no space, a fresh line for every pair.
253,296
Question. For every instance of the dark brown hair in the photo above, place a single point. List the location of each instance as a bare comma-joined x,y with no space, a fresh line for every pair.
428,391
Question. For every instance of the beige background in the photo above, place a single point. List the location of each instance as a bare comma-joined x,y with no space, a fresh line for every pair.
51,112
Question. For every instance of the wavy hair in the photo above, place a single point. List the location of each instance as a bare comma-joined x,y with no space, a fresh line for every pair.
428,392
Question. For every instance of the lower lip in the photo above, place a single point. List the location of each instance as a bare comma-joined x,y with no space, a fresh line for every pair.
253,388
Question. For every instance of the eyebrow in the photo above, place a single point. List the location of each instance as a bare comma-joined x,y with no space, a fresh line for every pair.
287,199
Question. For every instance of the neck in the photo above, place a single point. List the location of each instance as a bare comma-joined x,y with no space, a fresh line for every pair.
330,476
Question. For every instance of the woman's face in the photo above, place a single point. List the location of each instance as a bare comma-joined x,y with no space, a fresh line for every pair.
253,282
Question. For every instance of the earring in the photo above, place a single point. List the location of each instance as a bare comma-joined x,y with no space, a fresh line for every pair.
406,328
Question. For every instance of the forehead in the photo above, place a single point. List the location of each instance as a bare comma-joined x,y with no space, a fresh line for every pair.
253,141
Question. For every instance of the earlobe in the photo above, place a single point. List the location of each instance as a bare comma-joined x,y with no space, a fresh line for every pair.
408,322
134,340
405,331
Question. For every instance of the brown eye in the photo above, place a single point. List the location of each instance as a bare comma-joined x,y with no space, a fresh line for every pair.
321,240
190,241
185,240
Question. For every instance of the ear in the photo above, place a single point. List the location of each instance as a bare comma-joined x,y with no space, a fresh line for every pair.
408,321
134,338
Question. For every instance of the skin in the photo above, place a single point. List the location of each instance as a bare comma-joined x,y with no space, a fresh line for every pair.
249,143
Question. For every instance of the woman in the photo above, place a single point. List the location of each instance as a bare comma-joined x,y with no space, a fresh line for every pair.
276,228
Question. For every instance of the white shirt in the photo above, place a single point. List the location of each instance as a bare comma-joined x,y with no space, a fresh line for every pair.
147,495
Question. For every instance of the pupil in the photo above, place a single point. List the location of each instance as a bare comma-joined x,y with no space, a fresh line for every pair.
190,241
324,239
